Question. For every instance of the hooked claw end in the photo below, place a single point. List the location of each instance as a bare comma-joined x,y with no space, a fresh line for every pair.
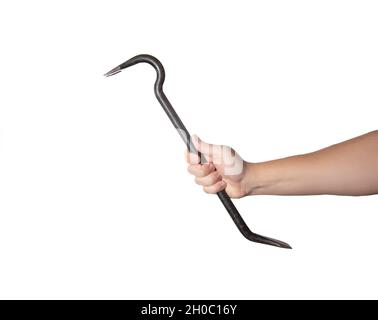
113,71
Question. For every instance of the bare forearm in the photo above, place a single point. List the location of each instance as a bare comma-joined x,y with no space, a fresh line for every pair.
347,168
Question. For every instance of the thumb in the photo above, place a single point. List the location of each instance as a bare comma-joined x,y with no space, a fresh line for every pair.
206,149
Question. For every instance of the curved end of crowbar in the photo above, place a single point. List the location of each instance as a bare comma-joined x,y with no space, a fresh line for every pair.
138,59
266,240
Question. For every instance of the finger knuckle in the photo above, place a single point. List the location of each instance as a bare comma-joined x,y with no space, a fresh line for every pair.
209,168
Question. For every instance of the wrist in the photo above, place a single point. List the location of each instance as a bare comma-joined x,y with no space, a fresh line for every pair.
259,178
250,179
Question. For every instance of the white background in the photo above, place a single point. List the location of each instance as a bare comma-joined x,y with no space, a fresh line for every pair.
95,199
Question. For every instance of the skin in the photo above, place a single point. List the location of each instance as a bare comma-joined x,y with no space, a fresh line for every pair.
348,168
